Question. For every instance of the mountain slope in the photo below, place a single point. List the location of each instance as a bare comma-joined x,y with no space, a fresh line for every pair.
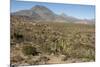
44,12
40,13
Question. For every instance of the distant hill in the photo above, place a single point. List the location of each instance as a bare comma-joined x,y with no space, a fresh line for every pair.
85,21
41,13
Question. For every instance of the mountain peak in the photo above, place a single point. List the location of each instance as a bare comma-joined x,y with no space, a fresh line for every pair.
63,14
39,7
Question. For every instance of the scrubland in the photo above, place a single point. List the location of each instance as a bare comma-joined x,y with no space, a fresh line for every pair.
34,43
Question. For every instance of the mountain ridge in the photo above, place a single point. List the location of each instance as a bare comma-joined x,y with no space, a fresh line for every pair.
42,13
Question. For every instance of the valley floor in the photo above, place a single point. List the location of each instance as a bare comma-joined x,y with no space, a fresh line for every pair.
51,43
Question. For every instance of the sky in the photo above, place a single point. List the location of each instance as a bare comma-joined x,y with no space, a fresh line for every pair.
78,11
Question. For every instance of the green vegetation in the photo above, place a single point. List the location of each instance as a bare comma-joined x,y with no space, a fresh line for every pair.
29,50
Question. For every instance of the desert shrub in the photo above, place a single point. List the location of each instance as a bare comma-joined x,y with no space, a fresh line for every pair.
19,37
29,50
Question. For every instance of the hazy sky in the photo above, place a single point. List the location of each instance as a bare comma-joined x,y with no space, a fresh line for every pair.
78,11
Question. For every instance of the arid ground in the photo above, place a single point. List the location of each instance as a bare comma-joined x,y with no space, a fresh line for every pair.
35,43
